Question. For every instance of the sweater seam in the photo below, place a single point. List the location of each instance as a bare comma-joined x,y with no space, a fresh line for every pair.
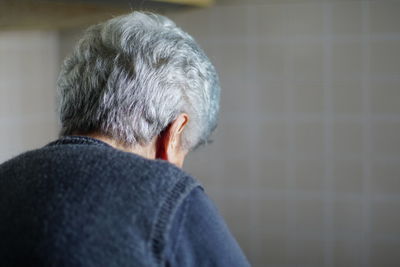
160,227
181,224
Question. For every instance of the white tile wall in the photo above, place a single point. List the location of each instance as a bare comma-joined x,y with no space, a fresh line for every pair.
28,71
305,164
310,122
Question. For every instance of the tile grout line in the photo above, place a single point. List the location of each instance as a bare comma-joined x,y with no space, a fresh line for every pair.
253,134
366,137
311,117
291,193
274,194
302,39
328,115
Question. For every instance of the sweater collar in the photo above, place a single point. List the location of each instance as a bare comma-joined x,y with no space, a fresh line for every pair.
78,140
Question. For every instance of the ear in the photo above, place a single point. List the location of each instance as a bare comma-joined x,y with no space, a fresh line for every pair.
168,145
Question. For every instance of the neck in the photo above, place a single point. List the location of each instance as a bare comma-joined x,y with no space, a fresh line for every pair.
147,151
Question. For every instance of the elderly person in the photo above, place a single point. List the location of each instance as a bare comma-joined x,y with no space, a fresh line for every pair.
136,95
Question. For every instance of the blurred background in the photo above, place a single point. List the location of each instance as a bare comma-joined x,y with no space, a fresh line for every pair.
305,164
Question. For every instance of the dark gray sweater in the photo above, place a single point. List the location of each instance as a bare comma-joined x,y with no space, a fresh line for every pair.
80,202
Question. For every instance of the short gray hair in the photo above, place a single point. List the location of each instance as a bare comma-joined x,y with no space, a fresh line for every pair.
129,77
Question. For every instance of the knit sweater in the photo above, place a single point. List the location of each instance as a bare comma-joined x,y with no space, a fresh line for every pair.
80,202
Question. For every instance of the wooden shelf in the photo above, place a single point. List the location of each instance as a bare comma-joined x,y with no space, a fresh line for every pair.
52,15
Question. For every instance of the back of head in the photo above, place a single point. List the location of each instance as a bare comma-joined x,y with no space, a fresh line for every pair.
130,77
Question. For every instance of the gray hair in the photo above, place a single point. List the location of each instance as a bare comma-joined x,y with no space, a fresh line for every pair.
130,77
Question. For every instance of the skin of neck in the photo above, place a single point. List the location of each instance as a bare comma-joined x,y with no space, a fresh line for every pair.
166,146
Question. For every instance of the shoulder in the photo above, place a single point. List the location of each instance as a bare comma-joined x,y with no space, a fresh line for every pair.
76,157
200,237
122,194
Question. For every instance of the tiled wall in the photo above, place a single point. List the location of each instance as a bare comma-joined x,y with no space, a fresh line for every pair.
306,160
28,71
